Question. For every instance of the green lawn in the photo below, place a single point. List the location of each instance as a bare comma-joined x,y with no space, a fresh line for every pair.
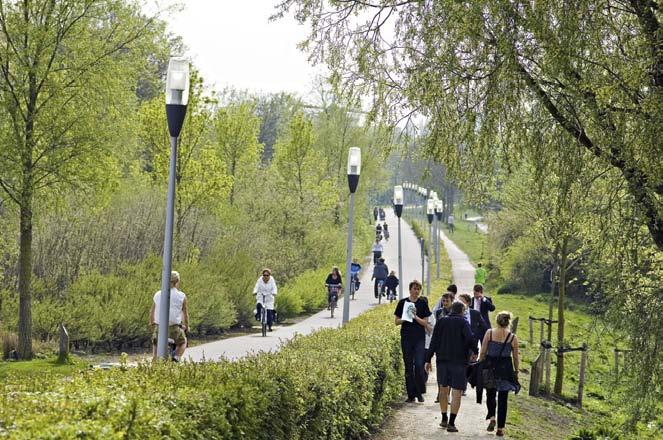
40,366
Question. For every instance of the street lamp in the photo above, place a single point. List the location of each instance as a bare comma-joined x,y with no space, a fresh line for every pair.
439,206
177,98
430,213
398,207
354,169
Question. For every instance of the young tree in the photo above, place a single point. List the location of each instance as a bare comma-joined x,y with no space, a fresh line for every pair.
68,69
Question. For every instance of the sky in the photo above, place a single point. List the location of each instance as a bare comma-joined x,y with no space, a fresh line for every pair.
233,44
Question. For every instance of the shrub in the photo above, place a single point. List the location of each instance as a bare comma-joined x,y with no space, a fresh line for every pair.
333,384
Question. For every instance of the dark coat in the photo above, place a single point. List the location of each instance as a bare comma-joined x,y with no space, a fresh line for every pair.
452,340
486,306
479,329
391,282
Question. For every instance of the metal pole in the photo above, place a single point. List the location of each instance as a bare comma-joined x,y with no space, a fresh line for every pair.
400,262
430,233
164,304
348,261
437,245
423,261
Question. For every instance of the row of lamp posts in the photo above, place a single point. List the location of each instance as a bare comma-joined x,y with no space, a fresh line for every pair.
177,97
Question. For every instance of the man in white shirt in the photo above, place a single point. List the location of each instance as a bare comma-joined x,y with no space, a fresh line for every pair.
178,317
377,251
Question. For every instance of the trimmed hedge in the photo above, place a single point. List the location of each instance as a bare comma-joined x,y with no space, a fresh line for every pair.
333,384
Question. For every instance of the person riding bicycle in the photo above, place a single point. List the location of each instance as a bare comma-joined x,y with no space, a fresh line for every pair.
355,268
390,284
377,251
385,229
265,292
178,318
378,229
334,284
380,273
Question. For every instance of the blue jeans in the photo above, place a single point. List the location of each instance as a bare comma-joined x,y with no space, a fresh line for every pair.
414,354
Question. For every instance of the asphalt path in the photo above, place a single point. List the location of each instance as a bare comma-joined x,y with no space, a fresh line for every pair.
237,347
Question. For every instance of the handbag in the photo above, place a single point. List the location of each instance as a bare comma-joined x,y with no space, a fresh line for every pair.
490,365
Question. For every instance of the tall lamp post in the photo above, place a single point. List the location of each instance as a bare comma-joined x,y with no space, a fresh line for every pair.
354,168
398,208
438,216
430,213
177,98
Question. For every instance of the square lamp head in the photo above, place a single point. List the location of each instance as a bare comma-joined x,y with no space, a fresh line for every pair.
177,81
398,195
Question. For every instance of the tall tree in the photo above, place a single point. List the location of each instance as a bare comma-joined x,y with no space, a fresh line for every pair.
68,70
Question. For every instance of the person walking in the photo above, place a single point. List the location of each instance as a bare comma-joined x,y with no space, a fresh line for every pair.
380,274
377,251
476,321
480,275
450,223
451,343
178,318
265,291
484,304
412,315
501,359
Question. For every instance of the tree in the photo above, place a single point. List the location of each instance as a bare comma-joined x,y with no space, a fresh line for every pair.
67,69
484,72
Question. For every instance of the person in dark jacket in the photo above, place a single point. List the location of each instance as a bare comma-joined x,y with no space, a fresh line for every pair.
380,274
482,304
451,343
412,315
390,284
477,324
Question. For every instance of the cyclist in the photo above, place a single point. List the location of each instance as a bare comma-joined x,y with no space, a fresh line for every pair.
265,292
377,251
385,228
355,268
334,284
378,229
380,273
390,284
178,317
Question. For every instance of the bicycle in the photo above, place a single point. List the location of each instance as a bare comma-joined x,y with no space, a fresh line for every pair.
263,317
391,295
380,290
354,285
332,295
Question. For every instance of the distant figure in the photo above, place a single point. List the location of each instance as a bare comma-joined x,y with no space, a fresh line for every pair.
265,291
482,303
377,250
375,213
178,317
451,342
480,275
499,351
450,223
383,216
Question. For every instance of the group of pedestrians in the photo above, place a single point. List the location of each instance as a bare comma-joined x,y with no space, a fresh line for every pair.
457,331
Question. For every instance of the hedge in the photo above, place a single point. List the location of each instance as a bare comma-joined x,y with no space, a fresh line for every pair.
333,384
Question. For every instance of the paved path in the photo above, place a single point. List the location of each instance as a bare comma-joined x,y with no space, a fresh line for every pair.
233,348
421,420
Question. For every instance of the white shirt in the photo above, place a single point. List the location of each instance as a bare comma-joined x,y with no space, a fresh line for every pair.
477,304
377,247
467,317
450,220
176,304
268,289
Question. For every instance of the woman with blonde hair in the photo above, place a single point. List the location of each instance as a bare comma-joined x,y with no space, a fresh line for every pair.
500,359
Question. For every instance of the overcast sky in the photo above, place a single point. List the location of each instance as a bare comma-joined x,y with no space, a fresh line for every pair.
233,44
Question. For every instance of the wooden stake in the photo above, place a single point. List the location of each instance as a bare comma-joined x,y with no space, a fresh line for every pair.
581,379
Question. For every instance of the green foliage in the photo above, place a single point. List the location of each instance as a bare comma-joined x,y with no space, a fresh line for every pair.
334,384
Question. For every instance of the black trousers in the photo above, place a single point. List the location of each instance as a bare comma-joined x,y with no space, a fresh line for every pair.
414,354
375,287
502,403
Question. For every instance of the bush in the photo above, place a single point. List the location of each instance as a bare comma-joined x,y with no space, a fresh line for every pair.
334,384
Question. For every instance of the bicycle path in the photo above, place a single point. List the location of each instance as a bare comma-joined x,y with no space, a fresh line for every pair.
421,420
237,347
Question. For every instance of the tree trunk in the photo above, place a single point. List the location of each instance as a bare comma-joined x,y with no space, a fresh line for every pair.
24,281
559,375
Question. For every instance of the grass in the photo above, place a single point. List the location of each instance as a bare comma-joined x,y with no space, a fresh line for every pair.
40,366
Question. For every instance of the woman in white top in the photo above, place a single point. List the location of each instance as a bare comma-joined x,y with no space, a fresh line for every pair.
265,292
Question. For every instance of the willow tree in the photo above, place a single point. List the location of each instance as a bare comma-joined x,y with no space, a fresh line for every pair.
68,70
481,71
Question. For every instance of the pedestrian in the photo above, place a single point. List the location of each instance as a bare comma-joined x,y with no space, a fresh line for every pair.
380,274
265,291
477,324
178,318
451,342
501,359
484,304
377,250
443,306
375,213
450,223
480,275
412,315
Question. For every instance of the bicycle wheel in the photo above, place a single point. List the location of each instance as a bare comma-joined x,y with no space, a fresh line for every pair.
263,321
332,306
